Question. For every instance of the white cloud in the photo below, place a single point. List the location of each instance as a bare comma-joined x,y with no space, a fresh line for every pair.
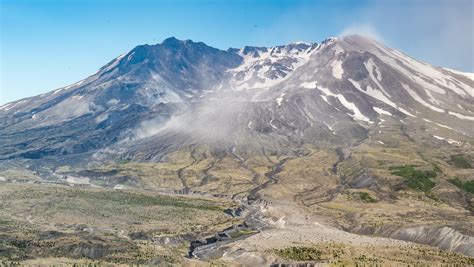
364,29
439,32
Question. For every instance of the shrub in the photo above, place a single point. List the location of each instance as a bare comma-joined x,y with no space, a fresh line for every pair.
460,161
299,253
436,168
242,233
416,179
366,197
467,186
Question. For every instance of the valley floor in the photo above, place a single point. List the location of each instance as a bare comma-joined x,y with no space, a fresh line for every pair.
199,210
56,225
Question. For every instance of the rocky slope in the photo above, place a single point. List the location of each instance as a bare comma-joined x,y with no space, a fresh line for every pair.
336,90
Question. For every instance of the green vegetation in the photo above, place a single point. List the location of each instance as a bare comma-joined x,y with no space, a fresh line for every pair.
416,179
111,213
119,198
366,197
363,259
299,253
467,186
460,161
132,212
123,161
242,233
137,199
436,168
2,222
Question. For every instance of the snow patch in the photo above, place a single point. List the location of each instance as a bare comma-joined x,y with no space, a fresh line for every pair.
324,97
330,127
259,69
382,111
357,114
5,106
379,95
57,91
431,98
371,68
349,105
461,116
102,117
309,85
273,126
67,87
9,106
444,126
113,102
119,187
417,98
406,112
469,75
454,142
279,99
427,76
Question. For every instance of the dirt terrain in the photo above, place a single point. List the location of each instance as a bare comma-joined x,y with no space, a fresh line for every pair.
200,210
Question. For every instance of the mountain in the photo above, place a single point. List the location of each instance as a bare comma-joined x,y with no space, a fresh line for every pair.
339,88
312,126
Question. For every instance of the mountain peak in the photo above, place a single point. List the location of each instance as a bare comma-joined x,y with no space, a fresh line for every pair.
171,40
174,42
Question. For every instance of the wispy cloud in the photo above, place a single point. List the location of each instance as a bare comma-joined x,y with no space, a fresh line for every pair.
439,32
364,29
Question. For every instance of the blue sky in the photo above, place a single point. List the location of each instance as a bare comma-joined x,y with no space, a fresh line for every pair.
47,44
